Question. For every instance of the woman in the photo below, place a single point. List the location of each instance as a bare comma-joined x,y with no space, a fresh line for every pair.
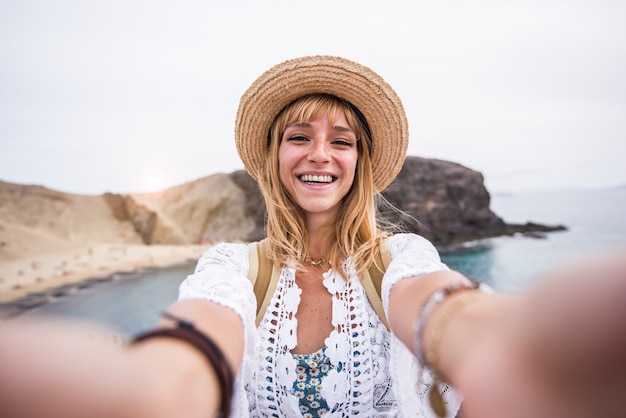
321,150
323,136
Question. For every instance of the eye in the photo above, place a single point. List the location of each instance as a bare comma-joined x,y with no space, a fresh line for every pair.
297,138
342,142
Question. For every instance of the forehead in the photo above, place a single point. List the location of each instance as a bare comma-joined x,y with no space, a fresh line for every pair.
337,122
313,108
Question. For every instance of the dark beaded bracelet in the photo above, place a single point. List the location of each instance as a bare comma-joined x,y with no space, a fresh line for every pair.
188,333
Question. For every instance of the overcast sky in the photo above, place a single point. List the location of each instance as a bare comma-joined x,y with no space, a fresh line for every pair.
134,95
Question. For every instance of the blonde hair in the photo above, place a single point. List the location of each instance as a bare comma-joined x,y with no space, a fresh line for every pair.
356,231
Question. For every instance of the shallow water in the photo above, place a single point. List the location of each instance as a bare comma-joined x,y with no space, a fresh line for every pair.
130,304
595,220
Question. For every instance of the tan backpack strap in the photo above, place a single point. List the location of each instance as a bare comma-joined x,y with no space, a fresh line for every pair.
269,291
263,275
373,279
260,270
253,262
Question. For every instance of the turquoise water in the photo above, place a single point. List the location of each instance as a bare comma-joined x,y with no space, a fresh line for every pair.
595,220
129,304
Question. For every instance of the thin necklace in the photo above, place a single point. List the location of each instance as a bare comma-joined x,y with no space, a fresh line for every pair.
314,263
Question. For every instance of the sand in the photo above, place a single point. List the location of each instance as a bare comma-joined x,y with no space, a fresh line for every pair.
47,271
51,241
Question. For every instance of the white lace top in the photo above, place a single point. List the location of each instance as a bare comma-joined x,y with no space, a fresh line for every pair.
373,373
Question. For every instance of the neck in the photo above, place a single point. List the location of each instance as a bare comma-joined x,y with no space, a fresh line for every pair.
318,231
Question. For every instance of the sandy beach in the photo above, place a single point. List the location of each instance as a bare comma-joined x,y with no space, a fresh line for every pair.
31,280
44,271
51,242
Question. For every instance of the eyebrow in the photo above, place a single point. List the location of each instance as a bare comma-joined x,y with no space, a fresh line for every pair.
338,128
341,128
299,125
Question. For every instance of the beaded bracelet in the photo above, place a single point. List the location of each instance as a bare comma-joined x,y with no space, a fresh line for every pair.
188,333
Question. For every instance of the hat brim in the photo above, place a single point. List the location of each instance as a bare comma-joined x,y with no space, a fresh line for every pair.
348,80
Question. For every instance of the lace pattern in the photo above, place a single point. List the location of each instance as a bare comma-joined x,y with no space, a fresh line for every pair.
373,374
221,277
355,349
412,255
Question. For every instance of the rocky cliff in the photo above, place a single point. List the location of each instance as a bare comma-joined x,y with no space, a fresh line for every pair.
444,201
447,203
214,208
441,200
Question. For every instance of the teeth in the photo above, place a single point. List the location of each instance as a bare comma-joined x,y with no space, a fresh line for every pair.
316,179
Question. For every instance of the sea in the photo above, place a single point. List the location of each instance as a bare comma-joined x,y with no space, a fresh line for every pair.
595,222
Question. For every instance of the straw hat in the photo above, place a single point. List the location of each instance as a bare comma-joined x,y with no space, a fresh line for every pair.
348,80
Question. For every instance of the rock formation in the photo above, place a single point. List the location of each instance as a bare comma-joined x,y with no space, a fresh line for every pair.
444,201
213,208
447,203
441,200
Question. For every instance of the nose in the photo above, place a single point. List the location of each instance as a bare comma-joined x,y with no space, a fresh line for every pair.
319,152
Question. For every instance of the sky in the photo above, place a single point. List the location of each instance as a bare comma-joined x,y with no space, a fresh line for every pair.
129,96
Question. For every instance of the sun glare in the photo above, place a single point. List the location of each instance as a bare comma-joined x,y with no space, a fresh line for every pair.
153,180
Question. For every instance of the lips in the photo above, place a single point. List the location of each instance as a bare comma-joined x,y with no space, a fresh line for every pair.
316,179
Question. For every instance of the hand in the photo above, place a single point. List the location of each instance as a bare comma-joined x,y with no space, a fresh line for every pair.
60,369
69,369
558,351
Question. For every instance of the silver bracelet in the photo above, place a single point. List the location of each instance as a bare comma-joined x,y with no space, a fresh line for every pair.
433,301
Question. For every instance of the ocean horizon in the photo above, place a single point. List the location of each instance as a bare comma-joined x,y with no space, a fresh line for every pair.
595,223
594,219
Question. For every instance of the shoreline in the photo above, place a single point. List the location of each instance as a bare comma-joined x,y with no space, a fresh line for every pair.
35,299
36,280
32,281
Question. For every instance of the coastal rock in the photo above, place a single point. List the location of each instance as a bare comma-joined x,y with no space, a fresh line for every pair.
209,209
254,204
441,200
126,208
34,219
444,201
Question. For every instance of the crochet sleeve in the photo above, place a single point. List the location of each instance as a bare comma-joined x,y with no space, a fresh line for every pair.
412,255
221,277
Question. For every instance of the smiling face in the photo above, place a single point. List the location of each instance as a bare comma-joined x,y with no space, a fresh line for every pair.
317,162
317,180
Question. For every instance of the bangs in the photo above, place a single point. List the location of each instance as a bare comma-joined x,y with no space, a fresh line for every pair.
309,108
312,107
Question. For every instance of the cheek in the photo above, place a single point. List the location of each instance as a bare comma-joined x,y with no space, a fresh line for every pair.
350,166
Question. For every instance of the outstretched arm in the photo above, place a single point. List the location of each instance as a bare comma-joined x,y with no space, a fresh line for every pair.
556,351
62,369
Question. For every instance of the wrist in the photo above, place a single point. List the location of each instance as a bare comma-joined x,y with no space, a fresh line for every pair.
434,316
476,319
436,336
171,377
